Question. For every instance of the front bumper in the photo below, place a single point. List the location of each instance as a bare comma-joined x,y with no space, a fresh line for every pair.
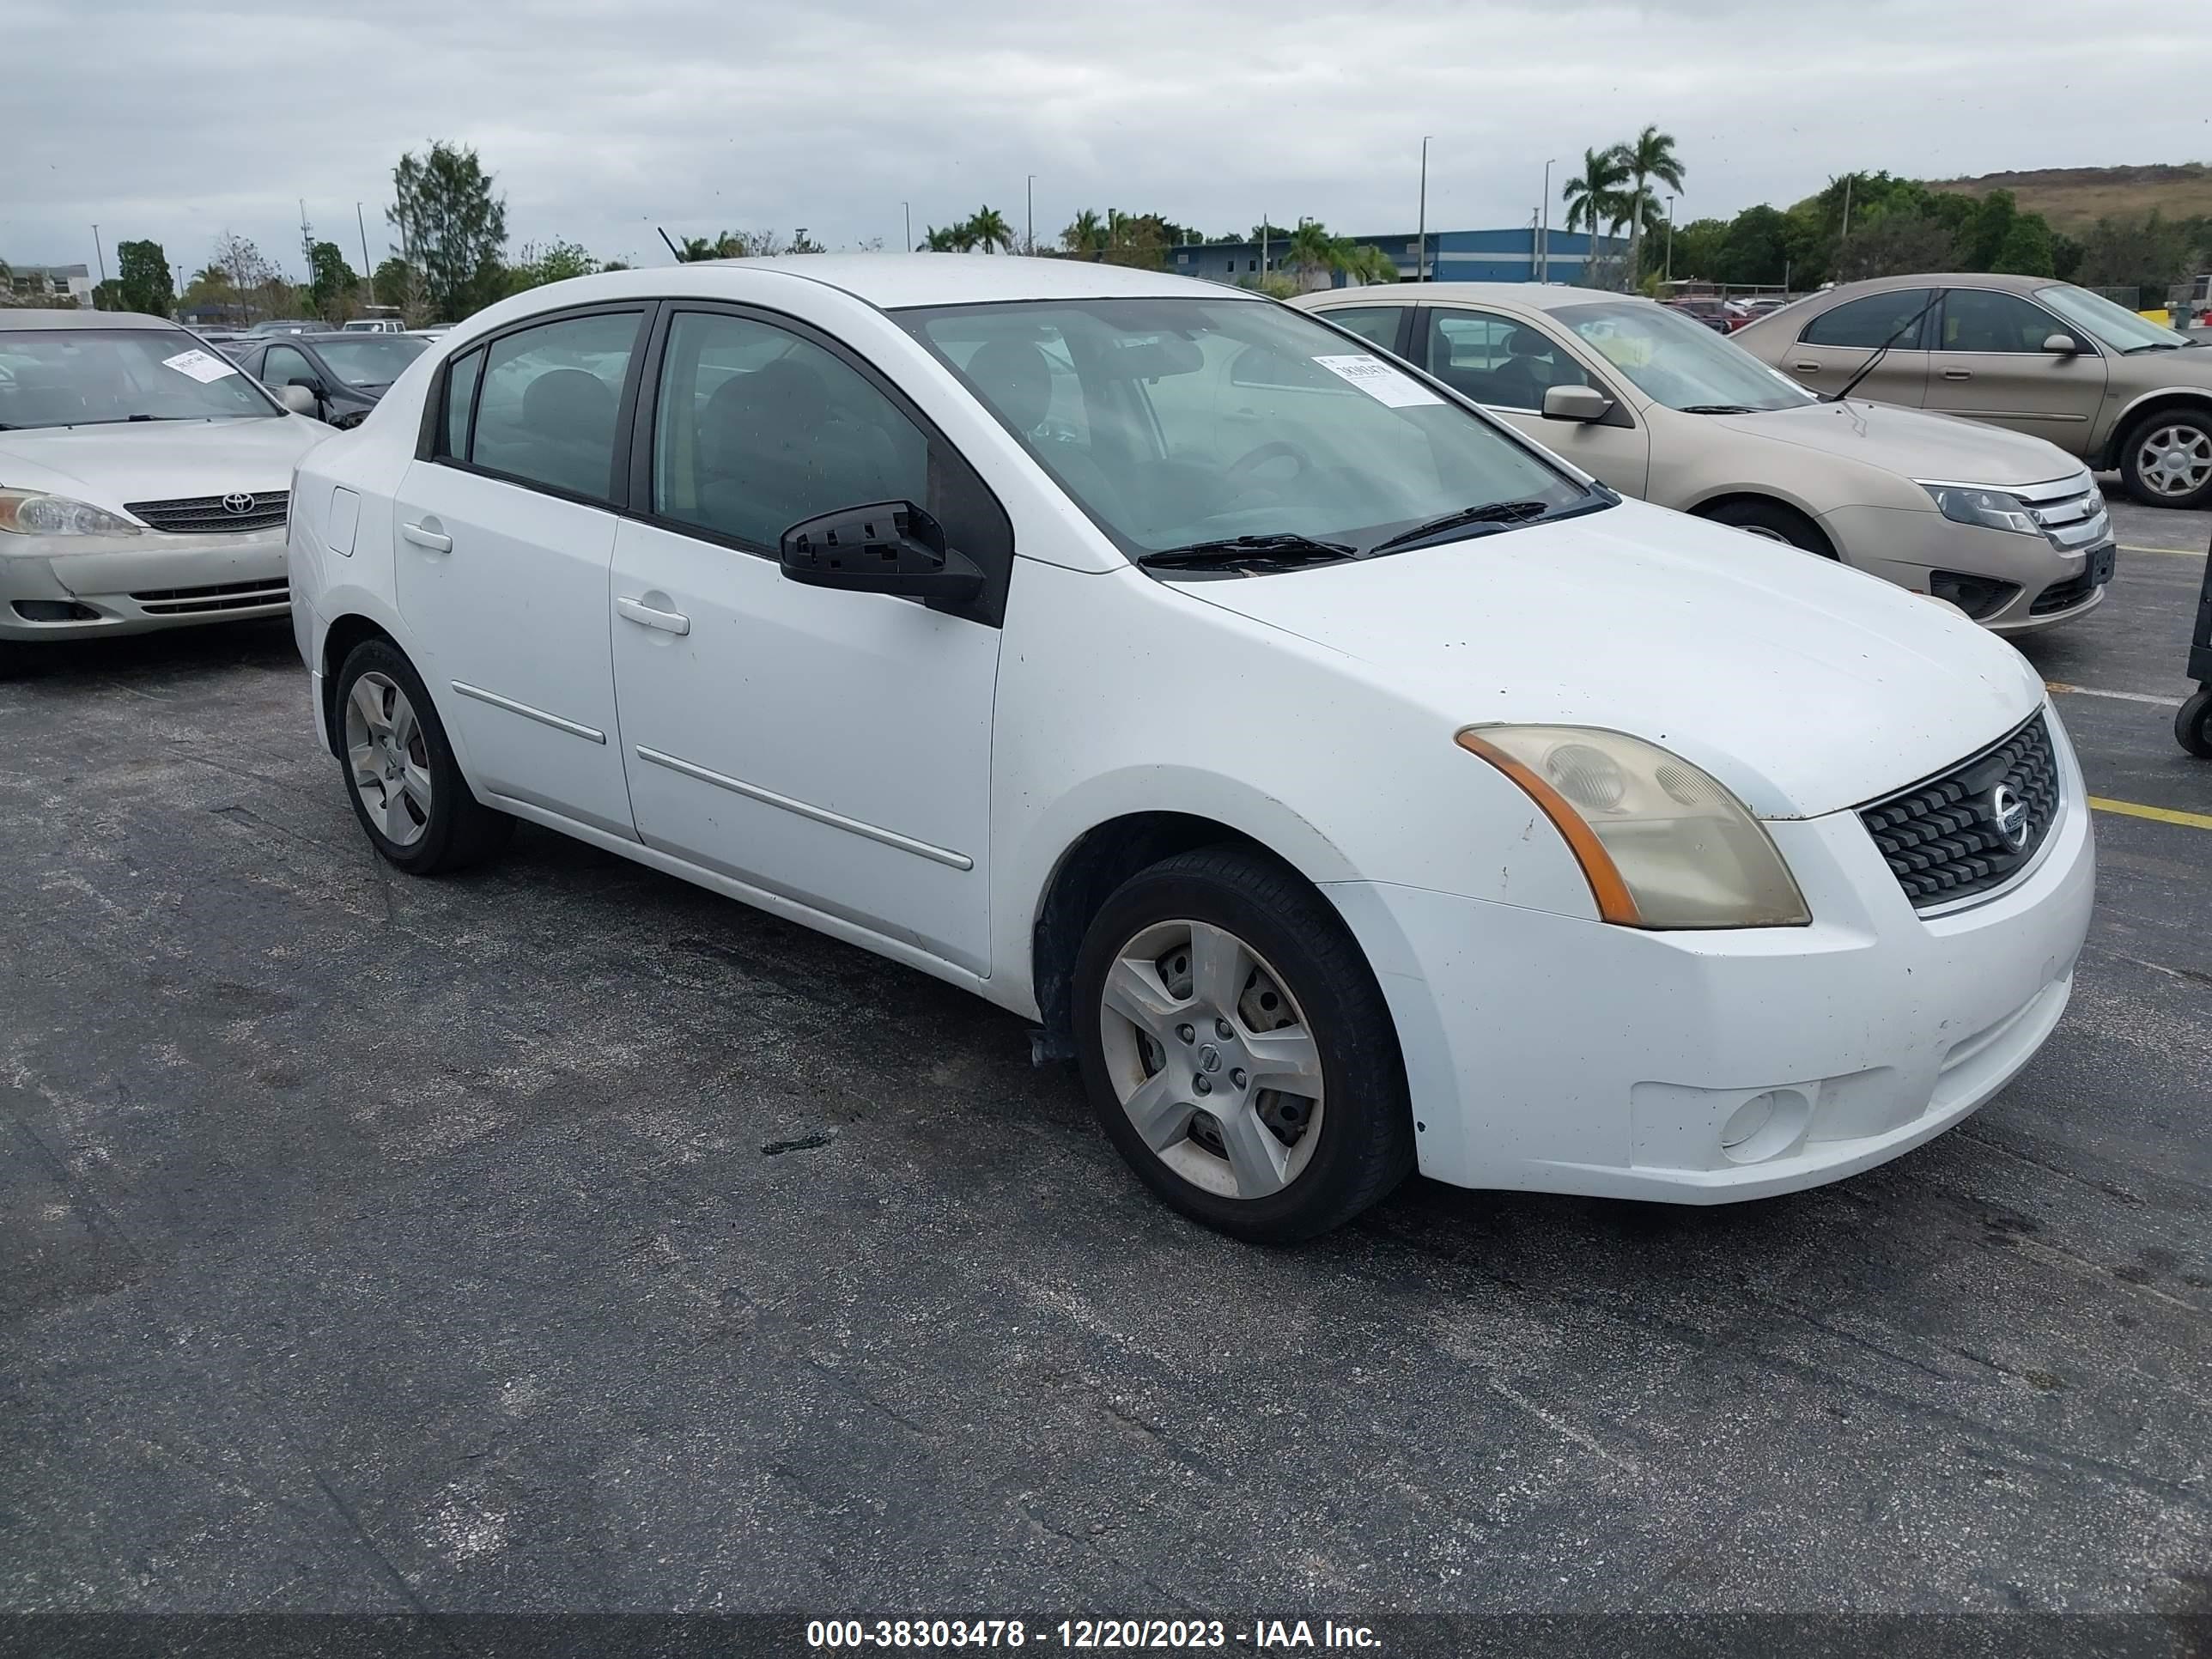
1552,1054
1908,546
72,588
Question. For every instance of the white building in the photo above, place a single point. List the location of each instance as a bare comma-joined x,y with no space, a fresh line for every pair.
49,285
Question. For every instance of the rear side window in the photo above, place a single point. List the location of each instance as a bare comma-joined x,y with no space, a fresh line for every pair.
461,398
1868,322
546,411
1376,323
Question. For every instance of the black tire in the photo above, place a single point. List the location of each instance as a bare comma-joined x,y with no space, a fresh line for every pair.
459,829
1364,1136
2192,726
1775,521
2199,420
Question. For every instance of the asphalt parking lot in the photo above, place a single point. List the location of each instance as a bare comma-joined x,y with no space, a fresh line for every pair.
559,1236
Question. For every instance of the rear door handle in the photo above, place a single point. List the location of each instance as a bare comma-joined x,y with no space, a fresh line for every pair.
423,536
1806,369
668,621
1957,373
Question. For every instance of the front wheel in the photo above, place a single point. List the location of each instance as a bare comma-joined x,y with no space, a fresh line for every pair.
1237,1050
2192,726
406,788
2167,461
1775,522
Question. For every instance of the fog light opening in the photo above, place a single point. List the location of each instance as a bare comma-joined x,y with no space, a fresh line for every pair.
55,610
1977,596
1765,1126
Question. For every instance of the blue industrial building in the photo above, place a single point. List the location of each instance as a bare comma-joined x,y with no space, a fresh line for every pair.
1454,256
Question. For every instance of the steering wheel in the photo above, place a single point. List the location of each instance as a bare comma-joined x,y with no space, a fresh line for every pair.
1239,478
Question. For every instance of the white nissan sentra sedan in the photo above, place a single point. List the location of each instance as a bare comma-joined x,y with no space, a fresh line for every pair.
1346,783
143,478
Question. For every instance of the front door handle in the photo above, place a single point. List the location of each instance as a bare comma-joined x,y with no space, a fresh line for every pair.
1806,369
423,536
668,621
1957,373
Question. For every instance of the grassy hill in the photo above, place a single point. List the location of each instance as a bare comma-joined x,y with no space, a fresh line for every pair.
2074,198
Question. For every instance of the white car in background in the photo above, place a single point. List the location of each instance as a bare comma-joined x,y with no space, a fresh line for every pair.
143,479
1346,783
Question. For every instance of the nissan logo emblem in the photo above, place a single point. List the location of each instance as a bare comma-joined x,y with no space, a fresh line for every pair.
238,502
2009,813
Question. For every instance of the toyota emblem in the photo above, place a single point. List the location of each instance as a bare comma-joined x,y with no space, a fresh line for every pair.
238,502
2009,813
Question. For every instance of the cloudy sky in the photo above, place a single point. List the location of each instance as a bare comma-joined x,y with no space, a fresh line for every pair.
177,121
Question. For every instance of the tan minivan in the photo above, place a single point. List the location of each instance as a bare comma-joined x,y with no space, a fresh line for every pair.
2041,357
2004,526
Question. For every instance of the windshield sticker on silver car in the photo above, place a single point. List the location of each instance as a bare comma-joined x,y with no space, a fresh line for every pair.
1378,380
199,365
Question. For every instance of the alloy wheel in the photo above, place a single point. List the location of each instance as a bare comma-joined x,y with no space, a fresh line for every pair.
1213,1059
2175,460
390,757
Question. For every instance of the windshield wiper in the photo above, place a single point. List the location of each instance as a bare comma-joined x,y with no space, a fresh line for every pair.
1500,513
1882,351
1230,551
1717,408
2157,345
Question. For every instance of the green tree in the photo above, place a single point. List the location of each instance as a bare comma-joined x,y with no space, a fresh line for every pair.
1755,249
142,269
2027,249
393,283
1982,237
1697,247
453,225
2151,253
1086,236
549,262
1592,198
1894,244
951,239
331,281
109,295
986,228
1647,160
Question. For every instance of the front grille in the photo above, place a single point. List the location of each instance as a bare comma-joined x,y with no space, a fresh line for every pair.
1941,840
201,515
221,596
2070,511
2062,596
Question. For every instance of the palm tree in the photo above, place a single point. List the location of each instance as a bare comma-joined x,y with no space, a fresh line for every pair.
952,239
1365,263
1651,157
1086,237
1312,251
989,231
1593,200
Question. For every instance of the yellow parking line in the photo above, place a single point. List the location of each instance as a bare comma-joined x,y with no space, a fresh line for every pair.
2163,814
2176,552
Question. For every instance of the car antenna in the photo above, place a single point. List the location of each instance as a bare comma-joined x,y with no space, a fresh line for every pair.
1882,350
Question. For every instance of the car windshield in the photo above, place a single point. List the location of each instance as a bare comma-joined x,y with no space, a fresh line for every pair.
2109,321
91,376
1175,421
1678,363
370,359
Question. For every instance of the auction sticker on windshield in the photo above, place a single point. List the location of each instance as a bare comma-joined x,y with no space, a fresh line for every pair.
199,365
1378,380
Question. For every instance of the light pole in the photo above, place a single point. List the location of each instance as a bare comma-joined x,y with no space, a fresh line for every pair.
98,254
1421,234
1029,231
1544,226
1669,277
367,275
907,209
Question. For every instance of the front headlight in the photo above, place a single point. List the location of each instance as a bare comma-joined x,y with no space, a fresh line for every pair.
1660,843
1989,509
26,513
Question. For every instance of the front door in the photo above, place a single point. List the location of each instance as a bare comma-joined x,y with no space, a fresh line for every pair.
502,545
1989,365
1507,364
1835,345
832,748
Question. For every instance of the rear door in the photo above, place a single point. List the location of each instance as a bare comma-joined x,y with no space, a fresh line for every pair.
1989,365
503,537
1833,347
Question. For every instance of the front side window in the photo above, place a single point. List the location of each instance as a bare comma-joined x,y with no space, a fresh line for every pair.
1870,320
370,359
1376,323
546,411
757,429
1210,418
2113,324
1497,360
284,365
100,377
1676,361
1985,319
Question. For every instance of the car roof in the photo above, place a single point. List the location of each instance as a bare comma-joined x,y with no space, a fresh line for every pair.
1943,279
1529,296
80,318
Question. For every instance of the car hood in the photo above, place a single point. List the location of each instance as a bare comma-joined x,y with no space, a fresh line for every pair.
158,460
1802,685
1911,443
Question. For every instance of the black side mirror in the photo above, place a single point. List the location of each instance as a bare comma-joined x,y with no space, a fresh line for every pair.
888,547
